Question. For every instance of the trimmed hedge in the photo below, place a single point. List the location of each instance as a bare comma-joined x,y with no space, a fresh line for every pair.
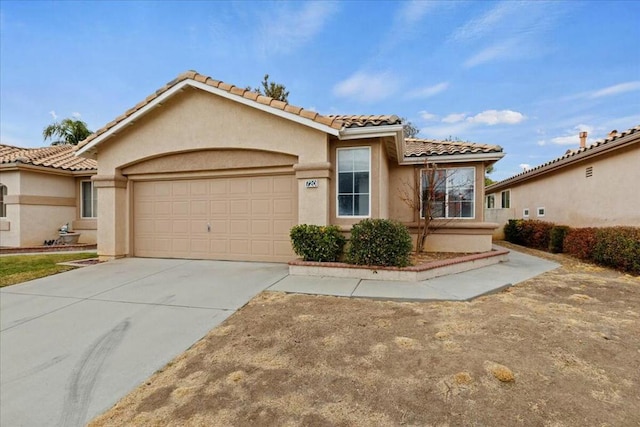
615,247
380,242
579,242
618,247
556,238
317,243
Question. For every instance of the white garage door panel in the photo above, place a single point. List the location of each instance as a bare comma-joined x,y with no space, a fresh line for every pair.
249,217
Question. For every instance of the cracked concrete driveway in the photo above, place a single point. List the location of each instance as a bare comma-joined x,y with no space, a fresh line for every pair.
72,344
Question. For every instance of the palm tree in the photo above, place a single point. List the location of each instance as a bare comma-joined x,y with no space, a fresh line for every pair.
66,132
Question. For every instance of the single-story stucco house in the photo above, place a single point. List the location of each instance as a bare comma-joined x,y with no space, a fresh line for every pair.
591,186
207,170
42,189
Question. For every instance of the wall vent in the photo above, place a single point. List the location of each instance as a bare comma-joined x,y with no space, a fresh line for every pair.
589,172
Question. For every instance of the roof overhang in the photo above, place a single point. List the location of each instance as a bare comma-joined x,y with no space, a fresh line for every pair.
383,131
453,158
89,150
19,166
625,141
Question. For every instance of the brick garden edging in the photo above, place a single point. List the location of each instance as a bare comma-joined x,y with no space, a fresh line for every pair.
414,273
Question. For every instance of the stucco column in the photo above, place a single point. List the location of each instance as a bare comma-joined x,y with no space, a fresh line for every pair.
112,215
313,192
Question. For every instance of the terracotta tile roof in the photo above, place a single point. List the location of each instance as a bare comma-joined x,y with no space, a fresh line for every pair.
58,157
351,121
335,122
415,147
572,155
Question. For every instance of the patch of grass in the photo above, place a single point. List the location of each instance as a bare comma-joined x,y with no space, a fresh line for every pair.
21,268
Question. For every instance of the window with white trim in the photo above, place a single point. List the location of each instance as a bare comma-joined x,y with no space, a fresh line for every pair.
490,201
450,192
88,200
354,182
3,206
505,197
525,213
540,211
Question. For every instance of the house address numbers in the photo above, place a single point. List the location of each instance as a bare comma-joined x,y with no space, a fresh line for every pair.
311,183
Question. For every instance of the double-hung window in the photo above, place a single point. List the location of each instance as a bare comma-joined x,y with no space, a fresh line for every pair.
448,193
491,201
506,199
354,188
88,200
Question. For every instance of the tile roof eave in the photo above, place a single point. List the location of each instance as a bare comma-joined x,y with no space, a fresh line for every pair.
598,148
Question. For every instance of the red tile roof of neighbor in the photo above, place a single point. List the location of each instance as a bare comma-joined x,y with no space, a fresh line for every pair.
58,157
415,147
572,156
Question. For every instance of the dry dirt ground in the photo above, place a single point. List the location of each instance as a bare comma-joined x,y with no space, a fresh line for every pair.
562,349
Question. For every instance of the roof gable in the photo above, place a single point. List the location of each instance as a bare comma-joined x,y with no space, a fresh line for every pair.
329,124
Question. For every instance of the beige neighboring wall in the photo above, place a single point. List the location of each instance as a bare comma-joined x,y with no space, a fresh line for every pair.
10,226
183,126
608,198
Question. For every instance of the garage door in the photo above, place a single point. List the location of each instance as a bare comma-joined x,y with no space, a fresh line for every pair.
245,219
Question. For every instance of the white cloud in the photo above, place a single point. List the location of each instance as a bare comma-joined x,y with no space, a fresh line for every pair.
367,87
53,114
494,117
285,30
428,117
428,91
454,118
76,115
525,166
542,142
501,50
413,11
572,136
616,89
486,23
566,140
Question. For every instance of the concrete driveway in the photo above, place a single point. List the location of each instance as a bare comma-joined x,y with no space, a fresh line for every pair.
72,344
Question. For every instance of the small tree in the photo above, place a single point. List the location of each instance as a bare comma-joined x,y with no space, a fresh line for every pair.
410,130
66,132
274,90
488,181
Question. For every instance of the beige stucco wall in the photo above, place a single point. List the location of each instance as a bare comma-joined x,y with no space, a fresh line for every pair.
195,120
38,204
608,198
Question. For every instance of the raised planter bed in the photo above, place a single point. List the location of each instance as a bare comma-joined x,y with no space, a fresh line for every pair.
414,273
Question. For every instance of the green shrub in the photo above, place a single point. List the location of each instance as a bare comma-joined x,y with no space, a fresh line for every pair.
618,247
579,242
556,238
317,243
380,242
511,233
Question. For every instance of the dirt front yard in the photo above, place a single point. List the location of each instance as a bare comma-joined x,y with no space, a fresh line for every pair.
562,349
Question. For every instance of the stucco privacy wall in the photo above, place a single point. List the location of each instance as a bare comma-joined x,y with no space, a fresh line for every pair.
195,120
608,198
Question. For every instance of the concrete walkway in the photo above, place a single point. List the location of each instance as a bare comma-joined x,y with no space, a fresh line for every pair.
456,287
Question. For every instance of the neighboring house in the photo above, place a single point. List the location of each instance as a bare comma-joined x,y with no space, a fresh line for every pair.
42,189
207,170
592,186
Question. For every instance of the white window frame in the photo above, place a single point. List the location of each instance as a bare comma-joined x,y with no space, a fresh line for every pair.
502,204
538,214
93,209
525,213
446,205
337,200
3,203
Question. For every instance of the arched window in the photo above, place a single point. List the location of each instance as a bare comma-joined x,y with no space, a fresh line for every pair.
3,206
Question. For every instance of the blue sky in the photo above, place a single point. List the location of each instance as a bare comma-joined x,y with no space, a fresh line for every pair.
525,75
